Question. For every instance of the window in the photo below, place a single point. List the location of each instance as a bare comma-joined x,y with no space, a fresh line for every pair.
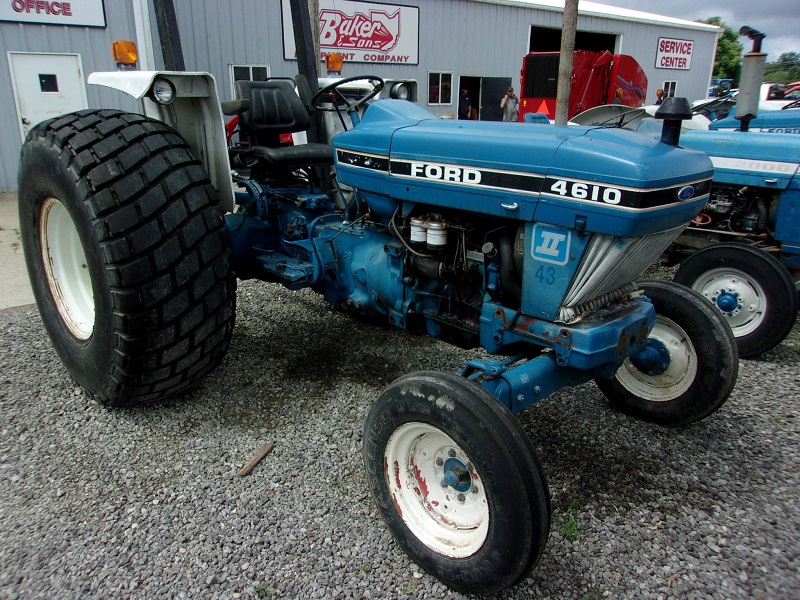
247,73
48,83
669,88
440,88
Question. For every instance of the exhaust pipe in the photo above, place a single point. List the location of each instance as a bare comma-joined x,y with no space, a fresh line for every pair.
673,111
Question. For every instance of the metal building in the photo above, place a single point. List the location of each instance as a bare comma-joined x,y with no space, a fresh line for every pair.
51,46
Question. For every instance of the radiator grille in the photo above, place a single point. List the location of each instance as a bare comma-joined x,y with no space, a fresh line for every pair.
609,269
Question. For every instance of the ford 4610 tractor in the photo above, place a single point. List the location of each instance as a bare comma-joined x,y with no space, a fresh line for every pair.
526,240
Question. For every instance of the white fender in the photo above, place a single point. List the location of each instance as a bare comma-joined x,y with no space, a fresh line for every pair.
195,114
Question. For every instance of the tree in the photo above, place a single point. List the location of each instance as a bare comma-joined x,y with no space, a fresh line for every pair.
728,61
784,70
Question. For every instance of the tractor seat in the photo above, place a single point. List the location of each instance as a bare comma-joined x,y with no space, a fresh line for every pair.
275,108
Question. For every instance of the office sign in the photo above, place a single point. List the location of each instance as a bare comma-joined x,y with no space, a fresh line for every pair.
364,32
85,13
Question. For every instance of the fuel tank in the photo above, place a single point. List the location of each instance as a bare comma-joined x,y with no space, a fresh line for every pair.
591,178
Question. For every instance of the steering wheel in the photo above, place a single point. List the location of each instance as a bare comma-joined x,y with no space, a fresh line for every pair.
334,100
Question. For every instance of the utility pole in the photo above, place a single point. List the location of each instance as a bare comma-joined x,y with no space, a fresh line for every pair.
565,61
306,44
305,40
169,36
313,9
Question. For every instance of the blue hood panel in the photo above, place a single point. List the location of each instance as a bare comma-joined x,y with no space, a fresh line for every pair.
611,180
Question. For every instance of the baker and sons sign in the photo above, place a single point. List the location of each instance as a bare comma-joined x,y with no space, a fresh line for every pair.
88,13
361,32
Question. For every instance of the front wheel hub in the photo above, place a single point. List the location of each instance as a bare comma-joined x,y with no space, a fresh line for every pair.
727,301
654,359
456,475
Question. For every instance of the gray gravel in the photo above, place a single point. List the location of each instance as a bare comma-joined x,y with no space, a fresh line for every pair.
148,503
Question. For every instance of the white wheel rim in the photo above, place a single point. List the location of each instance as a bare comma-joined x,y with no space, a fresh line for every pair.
678,376
66,269
448,521
750,300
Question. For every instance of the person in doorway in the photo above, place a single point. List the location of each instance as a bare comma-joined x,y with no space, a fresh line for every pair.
659,96
510,105
618,99
464,104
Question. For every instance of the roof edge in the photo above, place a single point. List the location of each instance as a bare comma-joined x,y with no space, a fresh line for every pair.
595,9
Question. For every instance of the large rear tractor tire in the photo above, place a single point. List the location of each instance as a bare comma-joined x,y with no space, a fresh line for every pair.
457,481
750,288
691,364
126,254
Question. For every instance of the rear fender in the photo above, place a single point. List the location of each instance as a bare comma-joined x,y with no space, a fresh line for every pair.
195,114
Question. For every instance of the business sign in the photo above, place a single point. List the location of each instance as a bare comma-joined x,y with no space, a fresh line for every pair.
674,54
85,13
363,32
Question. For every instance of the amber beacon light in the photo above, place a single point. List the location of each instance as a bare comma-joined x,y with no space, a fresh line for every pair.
125,54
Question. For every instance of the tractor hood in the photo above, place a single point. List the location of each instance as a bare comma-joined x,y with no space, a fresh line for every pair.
770,121
608,180
749,158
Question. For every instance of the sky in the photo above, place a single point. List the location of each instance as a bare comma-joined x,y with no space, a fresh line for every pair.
779,19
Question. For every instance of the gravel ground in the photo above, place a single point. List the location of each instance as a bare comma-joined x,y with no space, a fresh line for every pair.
148,503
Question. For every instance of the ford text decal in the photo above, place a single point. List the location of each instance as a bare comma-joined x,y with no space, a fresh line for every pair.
469,176
445,172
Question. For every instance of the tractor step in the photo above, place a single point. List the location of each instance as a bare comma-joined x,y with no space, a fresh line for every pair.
287,268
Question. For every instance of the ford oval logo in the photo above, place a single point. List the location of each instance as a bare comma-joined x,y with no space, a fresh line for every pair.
686,192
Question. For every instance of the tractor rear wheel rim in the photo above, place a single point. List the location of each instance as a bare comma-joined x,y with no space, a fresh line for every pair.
739,297
436,490
66,268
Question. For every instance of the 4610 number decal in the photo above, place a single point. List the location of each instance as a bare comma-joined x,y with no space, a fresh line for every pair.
586,191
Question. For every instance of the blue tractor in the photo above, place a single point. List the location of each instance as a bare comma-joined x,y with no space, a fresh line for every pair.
525,240
742,252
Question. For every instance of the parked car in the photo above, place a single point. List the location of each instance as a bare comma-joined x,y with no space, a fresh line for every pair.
771,97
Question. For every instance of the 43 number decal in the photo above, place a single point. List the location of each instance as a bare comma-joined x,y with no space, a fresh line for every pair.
546,275
586,191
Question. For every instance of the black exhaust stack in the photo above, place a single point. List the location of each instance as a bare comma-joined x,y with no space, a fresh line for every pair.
673,111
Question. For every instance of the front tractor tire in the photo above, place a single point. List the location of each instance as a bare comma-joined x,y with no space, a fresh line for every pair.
126,254
691,366
749,287
457,481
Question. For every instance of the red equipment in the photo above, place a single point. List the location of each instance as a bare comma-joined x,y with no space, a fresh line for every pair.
596,77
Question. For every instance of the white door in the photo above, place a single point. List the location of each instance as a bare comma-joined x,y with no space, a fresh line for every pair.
45,86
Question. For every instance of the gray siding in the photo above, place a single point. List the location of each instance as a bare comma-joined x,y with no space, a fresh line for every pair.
94,46
464,37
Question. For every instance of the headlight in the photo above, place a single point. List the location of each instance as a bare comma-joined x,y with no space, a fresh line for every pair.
163,91
400,91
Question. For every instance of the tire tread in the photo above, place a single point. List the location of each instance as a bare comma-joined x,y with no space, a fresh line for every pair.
151,204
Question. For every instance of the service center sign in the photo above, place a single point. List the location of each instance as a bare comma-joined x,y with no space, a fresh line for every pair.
674,54
86,13
361,31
